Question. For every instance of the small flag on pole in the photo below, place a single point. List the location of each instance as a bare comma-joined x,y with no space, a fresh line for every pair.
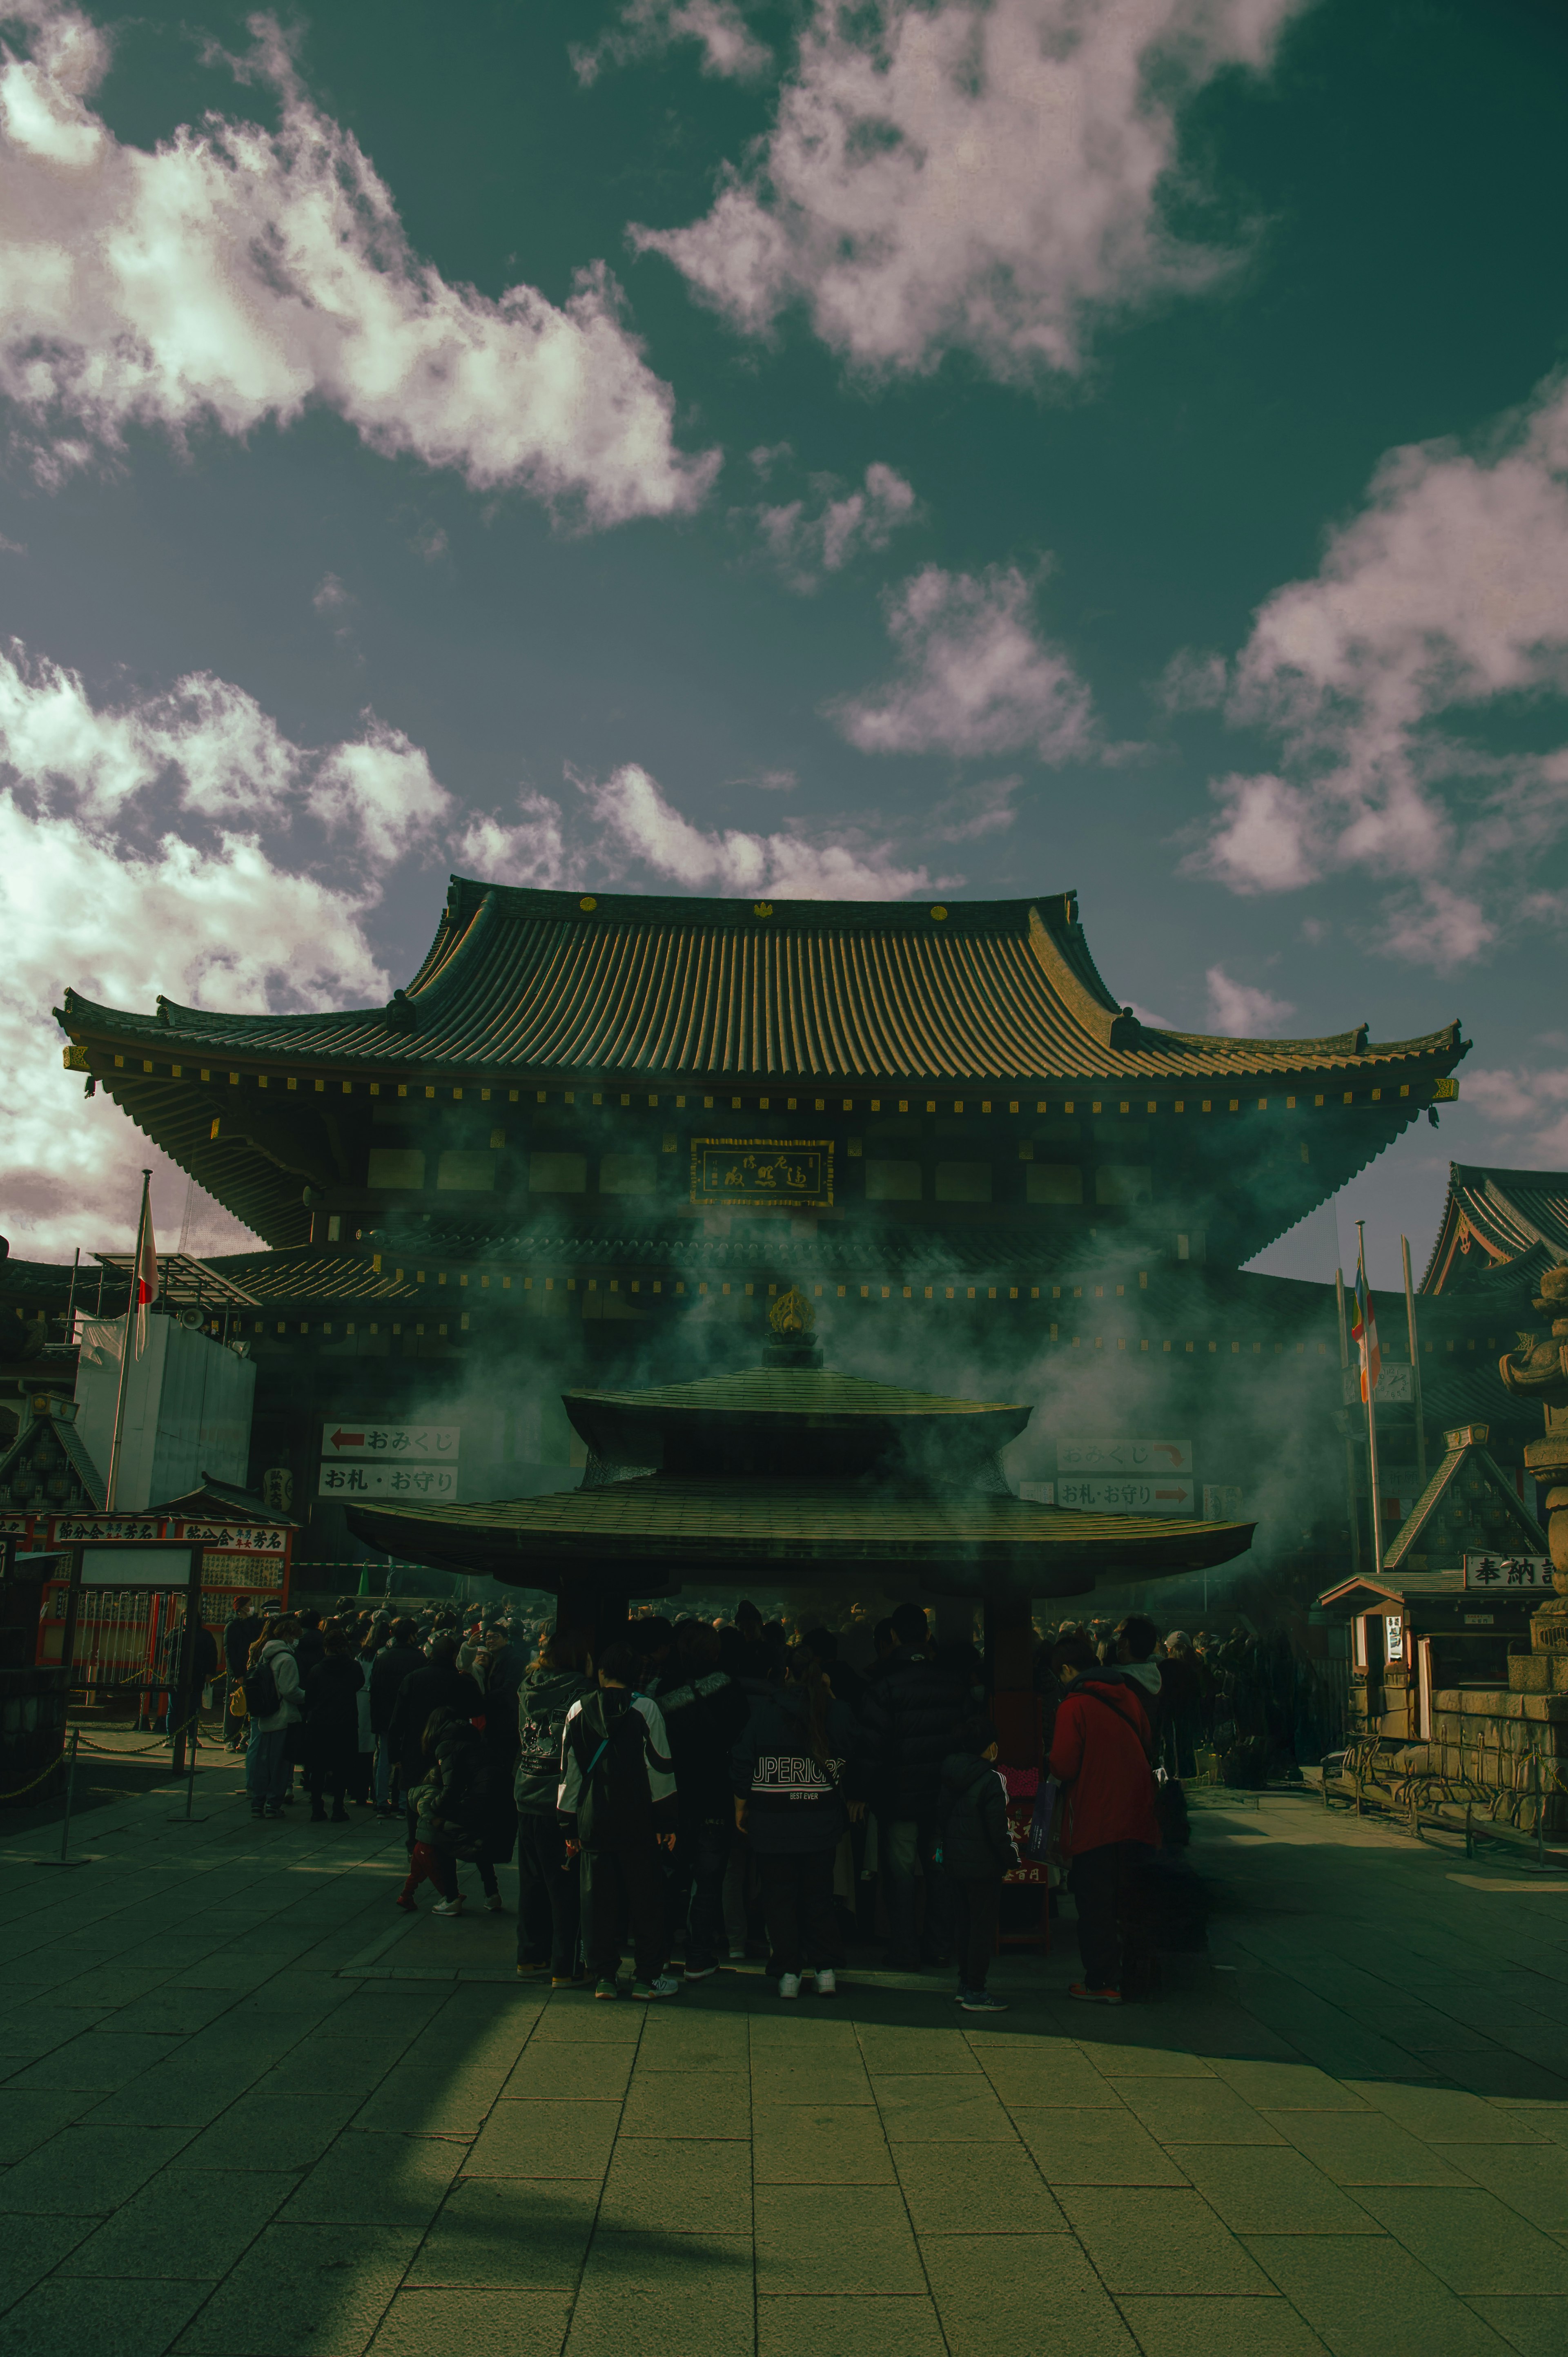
146,1278
1364,1334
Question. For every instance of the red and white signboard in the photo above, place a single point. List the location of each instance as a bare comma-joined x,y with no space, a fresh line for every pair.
350,1437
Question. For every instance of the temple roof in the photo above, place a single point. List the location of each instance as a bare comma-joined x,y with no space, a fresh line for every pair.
657,1531
1493,1216
518,980
1469,1506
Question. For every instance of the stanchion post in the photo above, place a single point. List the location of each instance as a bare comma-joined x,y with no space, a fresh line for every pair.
1540,1809
70,1793
190,1684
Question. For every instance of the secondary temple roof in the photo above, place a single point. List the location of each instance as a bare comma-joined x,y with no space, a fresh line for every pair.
1493,1217
539,981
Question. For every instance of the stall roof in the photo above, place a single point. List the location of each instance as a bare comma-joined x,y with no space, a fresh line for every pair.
1468,1507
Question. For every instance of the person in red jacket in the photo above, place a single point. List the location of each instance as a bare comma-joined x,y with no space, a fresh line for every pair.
1099,1754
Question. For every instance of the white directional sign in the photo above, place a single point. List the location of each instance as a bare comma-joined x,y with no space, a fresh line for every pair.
393,1444
413,1481
1164,1495
1113,1453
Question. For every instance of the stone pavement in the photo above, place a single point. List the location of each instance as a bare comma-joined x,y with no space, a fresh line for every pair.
242,2121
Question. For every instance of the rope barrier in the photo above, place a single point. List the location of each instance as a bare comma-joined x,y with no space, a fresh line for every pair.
108,1751
53,1768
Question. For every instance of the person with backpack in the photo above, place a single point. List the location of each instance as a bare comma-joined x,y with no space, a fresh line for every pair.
241,1632
912,1713
977,1850
1099,1753
797,1779
272,1691
549,1898
617,1810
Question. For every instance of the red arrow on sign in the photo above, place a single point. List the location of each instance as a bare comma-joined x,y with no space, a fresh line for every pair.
1164,1449
1179,1495
348,1440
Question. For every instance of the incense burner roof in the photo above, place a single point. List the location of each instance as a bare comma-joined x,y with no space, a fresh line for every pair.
846,991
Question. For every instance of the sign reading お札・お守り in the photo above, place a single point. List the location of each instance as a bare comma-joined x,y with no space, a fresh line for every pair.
762,1172
391,1444
1167,1493
400,1480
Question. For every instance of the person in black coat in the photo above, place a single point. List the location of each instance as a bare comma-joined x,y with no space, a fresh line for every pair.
439,1684
241,1632
912,1713
391,1665
977,1850
331,1725
704,1711
796,1783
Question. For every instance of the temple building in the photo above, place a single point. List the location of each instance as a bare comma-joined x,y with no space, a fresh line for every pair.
595,1135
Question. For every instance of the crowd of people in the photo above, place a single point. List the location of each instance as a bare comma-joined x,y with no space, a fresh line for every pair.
705,1791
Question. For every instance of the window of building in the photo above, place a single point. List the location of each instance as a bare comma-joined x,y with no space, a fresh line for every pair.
467,1171
557,1174
1124,1182
1053,1182
627,1174
395,1166
894,1182
963,1182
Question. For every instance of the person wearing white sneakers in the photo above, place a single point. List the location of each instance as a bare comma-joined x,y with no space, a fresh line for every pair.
798,1783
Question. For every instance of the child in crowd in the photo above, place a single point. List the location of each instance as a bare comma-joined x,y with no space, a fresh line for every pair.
975,1850
429,1861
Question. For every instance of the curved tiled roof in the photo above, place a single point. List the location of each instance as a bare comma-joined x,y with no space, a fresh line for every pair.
831,991
1493,1216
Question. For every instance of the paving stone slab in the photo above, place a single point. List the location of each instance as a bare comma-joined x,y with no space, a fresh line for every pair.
589,2072
606,2322
112,2319
809,2240
1356,2149
31,2249
974,2190
890,2326
709,2268
302,2291
478,2322
1196,2112
273,2132
1095,2147
368,2178
1287,2086
1159,2239
85,2169
508,2232
1469,2239
425,2100
1214,2325
192,2223
812,2083
1034,2291
680,2186
1536,2325
1372,2302
1272,2189
829,2144
1532,2178
711,2104
944,2111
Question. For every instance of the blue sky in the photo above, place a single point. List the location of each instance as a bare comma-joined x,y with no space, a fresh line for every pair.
1108,443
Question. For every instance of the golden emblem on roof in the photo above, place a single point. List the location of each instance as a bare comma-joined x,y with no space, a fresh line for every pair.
792,1313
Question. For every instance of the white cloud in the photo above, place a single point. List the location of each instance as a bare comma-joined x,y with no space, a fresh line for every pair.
235,275
987,809
767,781
644,28
379,793
973,173
976,679
1445,601
530,851
1528,1110
640,828
1238,1011
806,541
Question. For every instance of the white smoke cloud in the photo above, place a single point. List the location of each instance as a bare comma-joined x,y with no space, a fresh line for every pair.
976,677
644,28
983,174
1443,602
807,538
235,275
1241,1011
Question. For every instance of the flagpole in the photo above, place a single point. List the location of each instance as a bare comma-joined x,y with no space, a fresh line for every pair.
1415,1369
1371,1406
1350,1430
125,1344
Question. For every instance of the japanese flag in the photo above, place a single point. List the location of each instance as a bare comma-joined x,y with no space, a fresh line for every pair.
146,1280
